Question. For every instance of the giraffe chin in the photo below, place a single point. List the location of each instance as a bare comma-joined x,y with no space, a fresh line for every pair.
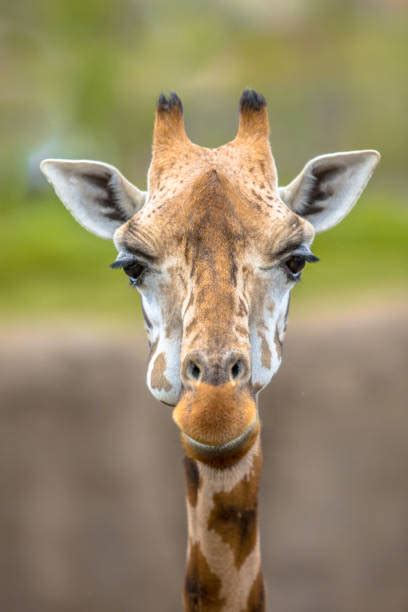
218,424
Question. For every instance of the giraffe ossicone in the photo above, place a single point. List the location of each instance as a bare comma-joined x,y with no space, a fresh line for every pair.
214,247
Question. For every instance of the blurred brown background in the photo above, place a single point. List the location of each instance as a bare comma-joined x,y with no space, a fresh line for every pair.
92,514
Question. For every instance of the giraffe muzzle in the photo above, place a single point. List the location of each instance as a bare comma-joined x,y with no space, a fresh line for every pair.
211,451
216,420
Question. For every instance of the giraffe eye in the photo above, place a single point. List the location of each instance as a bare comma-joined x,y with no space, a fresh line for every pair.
135,271
294,265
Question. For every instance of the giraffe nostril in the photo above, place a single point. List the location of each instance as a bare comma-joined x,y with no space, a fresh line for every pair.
237,369
232,367
193,371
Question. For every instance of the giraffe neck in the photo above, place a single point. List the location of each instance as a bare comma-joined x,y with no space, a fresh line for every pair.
224,563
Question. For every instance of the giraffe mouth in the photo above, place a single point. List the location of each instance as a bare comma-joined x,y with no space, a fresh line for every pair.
214,450
217,421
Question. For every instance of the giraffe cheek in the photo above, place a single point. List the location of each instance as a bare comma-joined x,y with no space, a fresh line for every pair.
265,364
163,381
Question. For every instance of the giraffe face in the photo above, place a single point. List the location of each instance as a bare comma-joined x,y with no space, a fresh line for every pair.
214,248
211,267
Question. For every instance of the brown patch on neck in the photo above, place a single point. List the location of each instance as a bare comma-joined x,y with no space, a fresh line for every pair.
235,514
256,597
202,587
158,379
193,480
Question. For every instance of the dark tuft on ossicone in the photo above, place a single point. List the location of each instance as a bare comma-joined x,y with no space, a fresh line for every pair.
251,101
168,103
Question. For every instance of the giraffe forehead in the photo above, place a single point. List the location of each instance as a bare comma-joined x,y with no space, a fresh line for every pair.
173,169
211,219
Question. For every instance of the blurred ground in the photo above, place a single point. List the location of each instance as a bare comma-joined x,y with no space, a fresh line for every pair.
92,516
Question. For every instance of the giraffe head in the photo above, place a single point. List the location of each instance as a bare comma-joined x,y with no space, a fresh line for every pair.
214,247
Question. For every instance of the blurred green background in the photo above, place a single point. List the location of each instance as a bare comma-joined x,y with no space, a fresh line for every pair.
80,80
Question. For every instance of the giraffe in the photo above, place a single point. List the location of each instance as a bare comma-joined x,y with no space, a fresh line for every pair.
214,248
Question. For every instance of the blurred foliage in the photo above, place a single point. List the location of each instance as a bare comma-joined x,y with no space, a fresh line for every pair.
80,79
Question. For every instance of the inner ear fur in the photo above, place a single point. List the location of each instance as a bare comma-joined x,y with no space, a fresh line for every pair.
98,196
329,186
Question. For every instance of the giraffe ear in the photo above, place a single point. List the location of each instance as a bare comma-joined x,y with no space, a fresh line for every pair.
96,194
329,186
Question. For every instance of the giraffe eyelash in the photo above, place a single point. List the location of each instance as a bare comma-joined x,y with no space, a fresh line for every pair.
132,267
122,261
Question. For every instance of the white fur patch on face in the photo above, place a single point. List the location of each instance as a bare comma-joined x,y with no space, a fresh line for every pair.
267,334
163,372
